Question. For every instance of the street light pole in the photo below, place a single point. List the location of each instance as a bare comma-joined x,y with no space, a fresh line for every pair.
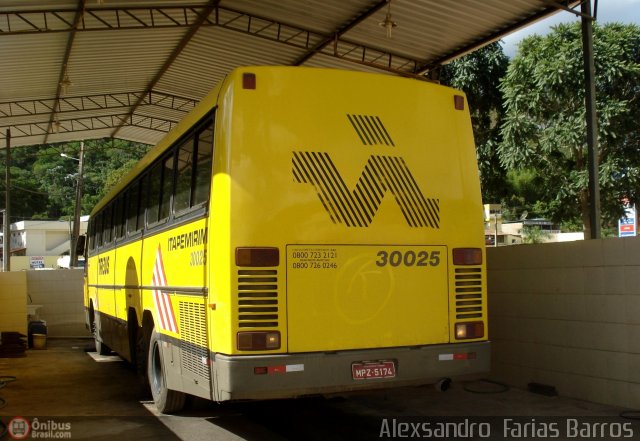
76,218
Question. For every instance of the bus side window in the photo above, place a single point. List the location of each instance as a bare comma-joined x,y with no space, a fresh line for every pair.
119,219
184,178
203,166
92,234
98,226
152,186
167,187
132,198
107,224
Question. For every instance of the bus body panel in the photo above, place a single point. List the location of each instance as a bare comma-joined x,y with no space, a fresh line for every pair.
173,273
339,159
105,264
105,302
220,260
174,291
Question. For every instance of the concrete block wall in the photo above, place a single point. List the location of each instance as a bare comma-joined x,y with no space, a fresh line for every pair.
568,315
13,302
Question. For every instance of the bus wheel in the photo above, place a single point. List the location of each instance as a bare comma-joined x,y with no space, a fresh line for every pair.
166,400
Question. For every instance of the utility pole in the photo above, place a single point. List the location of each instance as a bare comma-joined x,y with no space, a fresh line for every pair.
76,218
6,239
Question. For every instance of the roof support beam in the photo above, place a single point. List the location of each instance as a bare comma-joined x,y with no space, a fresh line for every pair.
566,7
98,19
111,19
63,68
341,31
318,43
169,61
84,103
93,123
426,66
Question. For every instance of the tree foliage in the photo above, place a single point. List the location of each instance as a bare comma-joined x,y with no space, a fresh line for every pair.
478,75
544,123
44,183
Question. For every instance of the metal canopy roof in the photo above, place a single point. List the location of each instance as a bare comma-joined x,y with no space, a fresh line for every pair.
131,69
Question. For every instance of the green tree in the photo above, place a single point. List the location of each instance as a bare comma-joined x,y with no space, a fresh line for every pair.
44,183
107,161
27,195
525,195
478,75
544,125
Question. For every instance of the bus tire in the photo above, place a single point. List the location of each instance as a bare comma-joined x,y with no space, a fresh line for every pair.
166,400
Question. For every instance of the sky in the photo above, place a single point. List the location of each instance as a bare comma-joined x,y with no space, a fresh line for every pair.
623,11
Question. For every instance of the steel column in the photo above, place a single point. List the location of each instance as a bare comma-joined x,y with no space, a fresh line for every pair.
6,239
78,211
592,119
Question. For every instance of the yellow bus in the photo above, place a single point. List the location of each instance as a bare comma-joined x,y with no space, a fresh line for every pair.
302,231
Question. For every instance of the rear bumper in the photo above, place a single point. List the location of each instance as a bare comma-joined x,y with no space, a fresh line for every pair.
293,375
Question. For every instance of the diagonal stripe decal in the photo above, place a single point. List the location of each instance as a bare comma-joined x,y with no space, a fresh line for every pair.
370,130
358,207
161,299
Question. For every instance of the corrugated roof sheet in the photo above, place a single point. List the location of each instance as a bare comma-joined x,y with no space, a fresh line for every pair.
123,50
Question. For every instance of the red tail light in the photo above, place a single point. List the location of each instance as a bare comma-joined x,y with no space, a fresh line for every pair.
467,256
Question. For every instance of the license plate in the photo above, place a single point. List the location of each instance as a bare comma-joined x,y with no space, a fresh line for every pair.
373,370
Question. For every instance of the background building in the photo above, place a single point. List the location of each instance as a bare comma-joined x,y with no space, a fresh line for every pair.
39,244
498,232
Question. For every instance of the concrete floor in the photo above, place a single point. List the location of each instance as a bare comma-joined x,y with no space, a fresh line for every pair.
104,400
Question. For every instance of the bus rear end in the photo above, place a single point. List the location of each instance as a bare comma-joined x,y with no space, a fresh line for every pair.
355,256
